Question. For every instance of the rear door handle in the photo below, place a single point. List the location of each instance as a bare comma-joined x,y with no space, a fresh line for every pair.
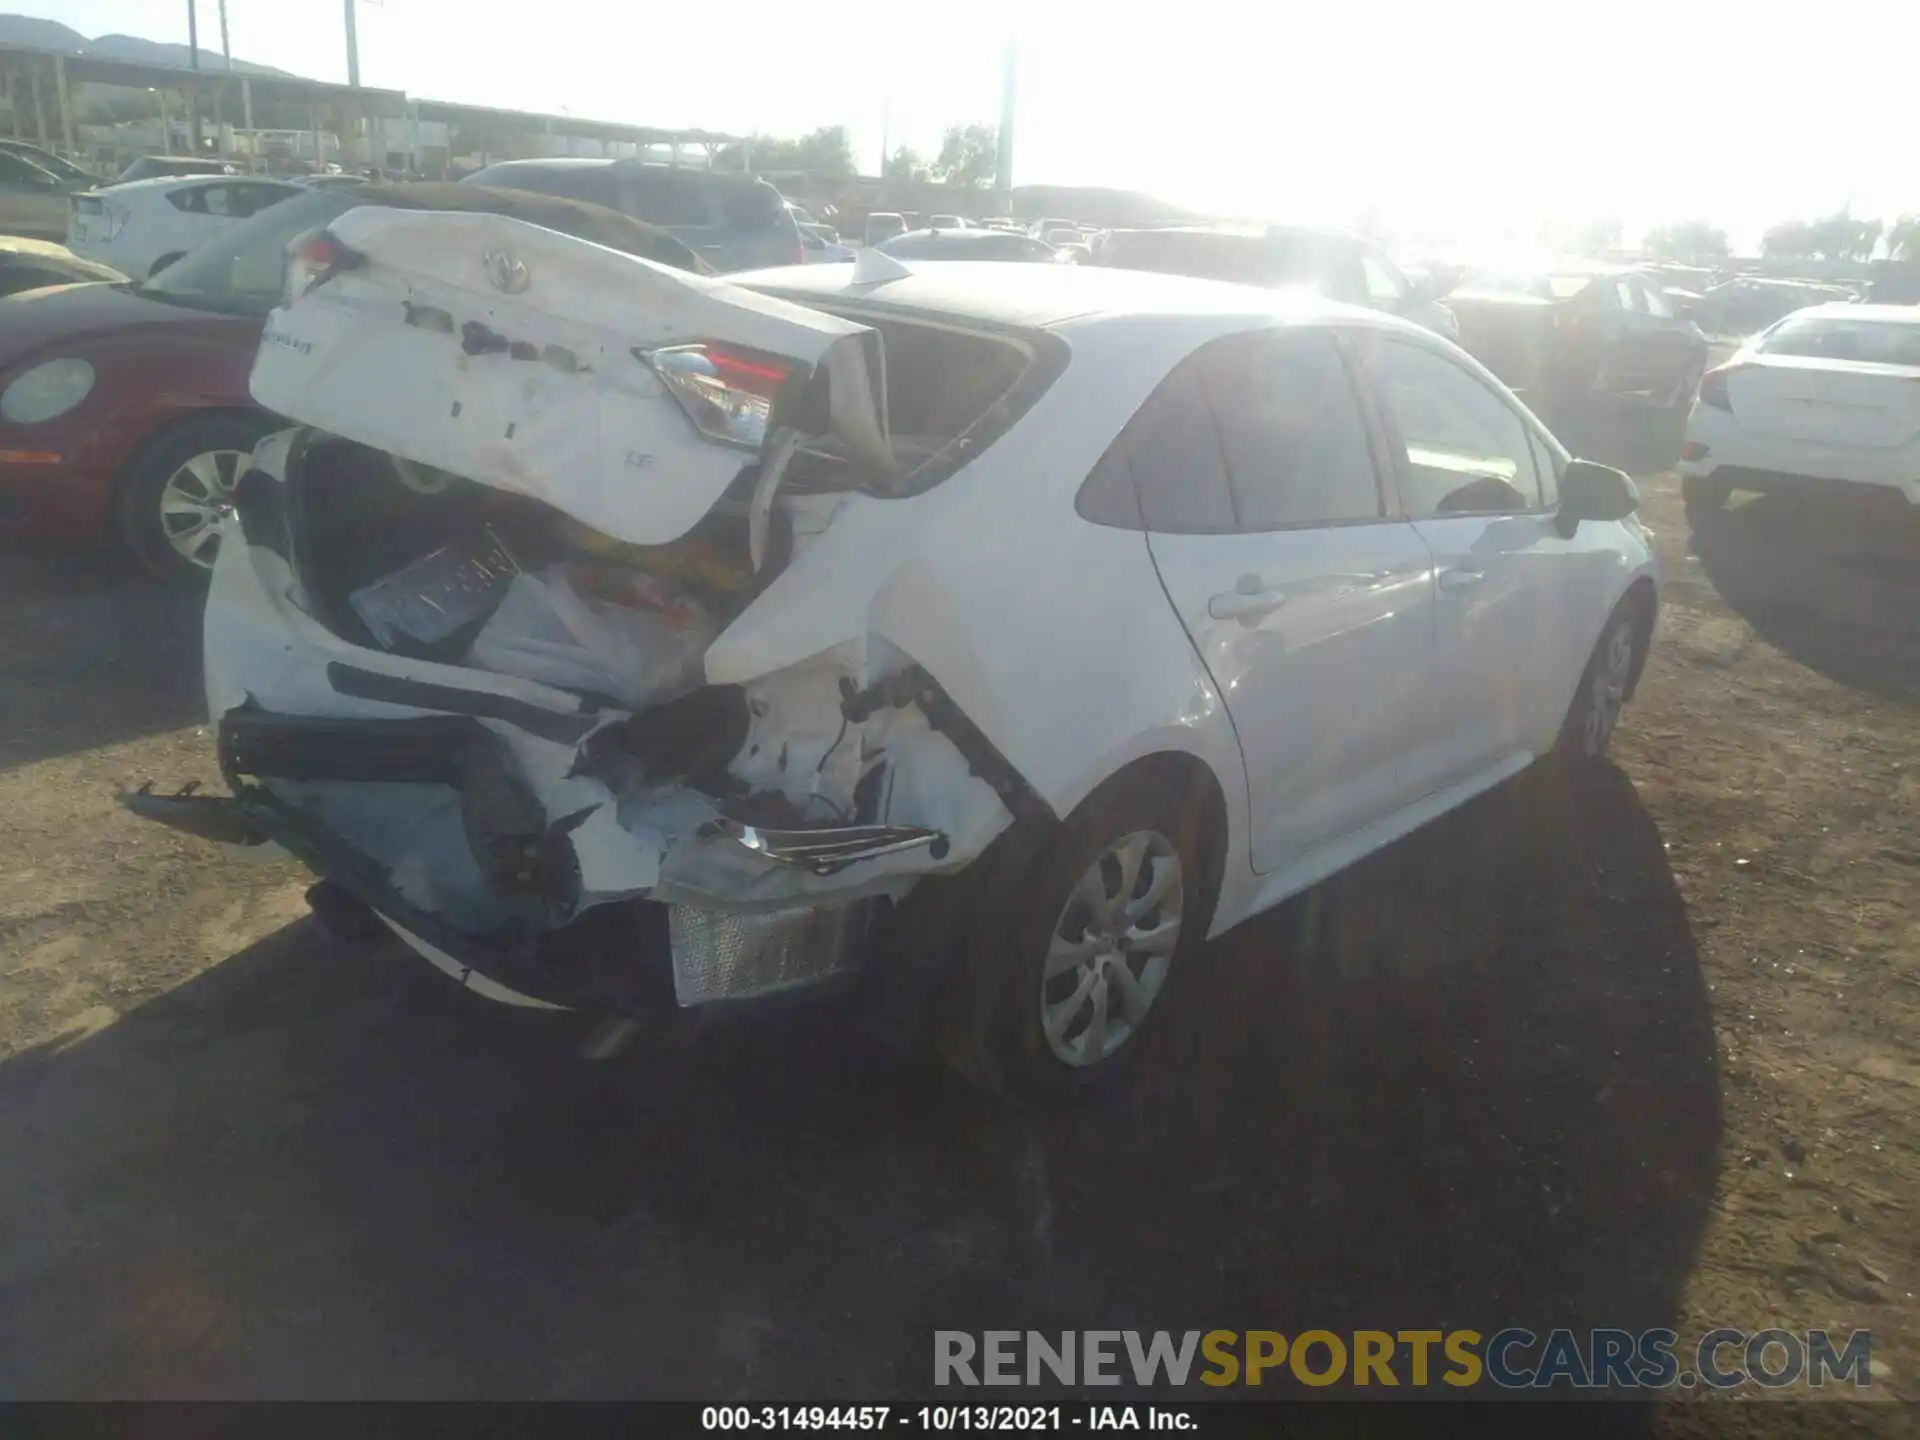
1249,600
1454,581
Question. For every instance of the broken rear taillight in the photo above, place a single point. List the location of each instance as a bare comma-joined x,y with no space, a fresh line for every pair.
313,259
727,393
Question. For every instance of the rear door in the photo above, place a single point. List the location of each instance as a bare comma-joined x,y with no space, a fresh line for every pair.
1309,603
1517,605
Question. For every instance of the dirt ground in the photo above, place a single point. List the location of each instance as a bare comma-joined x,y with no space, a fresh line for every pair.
1643,1052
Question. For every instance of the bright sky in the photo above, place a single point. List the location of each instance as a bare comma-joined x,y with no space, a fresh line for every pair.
1481,119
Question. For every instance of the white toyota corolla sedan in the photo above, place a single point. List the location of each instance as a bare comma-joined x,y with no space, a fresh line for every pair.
1825,399
978,639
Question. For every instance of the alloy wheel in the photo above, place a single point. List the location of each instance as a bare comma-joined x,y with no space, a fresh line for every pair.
1111,948
1607,695
195,499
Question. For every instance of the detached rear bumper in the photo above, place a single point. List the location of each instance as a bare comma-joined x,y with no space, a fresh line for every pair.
636,958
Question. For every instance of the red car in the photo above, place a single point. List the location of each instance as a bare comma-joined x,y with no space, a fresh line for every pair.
124,410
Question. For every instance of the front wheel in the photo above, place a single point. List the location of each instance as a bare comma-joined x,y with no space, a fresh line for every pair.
1602,695
1098,931
178,490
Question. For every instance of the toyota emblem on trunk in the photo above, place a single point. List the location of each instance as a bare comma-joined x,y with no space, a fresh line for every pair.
507,272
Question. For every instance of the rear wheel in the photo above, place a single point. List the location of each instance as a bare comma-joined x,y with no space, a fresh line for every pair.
178,490
1097,932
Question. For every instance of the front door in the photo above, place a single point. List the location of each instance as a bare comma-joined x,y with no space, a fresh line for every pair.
1515,600
1310,605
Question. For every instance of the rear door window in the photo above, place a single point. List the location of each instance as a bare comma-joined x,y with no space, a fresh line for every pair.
1293,431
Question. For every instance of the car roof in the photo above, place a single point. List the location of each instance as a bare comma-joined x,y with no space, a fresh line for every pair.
628,162
187,182
1844,310
1046,296
952,235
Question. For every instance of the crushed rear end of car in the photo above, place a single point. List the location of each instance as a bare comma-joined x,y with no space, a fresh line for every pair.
555,633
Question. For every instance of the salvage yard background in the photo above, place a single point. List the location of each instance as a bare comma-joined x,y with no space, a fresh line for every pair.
1637,1053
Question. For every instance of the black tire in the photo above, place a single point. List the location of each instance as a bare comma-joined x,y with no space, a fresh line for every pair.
1703,494
1605,686
225,435
991,1026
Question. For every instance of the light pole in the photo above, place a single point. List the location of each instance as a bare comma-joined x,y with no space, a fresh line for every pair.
353,50
193,89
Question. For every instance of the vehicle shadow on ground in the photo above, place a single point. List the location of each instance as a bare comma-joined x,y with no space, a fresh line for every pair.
1626,434
90,654
1836,585
1471,1084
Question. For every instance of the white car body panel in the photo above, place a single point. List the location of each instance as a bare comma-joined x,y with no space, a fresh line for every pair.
1514,608
585,425
1857,422
1316,607
1367,704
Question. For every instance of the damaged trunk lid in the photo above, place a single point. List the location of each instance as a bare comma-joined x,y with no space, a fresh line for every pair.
627,394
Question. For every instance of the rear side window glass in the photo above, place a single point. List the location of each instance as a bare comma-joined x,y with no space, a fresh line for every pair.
1174,454
751,207
1294,433
670,197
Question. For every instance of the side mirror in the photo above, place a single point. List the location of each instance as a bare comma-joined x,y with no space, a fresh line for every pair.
1594,492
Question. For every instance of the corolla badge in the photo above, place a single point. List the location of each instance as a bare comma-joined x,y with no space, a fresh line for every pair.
507,272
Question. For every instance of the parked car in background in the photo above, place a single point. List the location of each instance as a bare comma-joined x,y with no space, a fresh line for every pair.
1564,333
1111,611
884,225
124,410
968,245
35,264
1824,400
33,200
57,165
142,227
159,167
1338,265
1040,228
821,244
946,222
1748,304
733,222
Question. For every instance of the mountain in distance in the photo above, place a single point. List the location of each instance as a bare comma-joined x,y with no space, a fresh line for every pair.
52,35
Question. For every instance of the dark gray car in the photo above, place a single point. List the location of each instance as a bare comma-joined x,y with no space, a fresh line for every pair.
733,222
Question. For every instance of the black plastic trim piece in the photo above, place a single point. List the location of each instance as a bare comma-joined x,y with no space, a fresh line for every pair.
424,695
915,686
431,750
